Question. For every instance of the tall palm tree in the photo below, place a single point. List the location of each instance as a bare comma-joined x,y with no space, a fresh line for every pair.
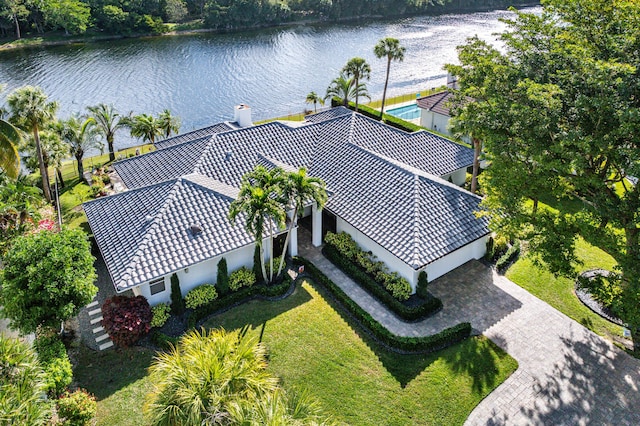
390,48
21,384
108,122
54,150
80,135
168,123
261,205
30,111
144,126
359,69
343,88
197,382
9,157
313,97
298,189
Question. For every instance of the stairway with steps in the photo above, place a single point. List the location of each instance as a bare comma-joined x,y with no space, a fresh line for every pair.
99,334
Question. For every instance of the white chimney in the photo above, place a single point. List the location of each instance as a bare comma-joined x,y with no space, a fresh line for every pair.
242,115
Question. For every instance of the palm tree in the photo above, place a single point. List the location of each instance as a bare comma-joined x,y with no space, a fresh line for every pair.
80,136
359,69
30,111
208,372
21,384
54,151
313,97
261,204
168,123
298,189
343,88
390,48
144,126
108,122
9,157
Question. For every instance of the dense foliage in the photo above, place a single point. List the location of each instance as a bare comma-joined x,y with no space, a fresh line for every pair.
243,277
47,278
145,17
126,319
54,360
177,302
201,295
160,314
77,408
222,278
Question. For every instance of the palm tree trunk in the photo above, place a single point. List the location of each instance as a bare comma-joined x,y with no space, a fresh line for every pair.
384,92
315,106
15,18
262,266
286,240
271,254
356,86
80,167
43,169
476,164
59,172
112,155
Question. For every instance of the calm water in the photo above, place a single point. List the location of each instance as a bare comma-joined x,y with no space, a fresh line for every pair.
201,77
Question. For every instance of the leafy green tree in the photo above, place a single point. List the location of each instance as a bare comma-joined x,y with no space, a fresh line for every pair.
558,113
53,149
108,122
9,157
359,69
204,375
260,204
31,111
174,10
388,48
21,385
15,11
168,123
81,136
144,126
19,205
343,88
48,277
313,98
298,189
71,15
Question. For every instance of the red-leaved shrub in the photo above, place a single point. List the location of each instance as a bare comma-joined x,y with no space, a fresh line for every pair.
126,319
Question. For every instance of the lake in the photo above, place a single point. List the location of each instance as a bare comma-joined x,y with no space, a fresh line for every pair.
201,77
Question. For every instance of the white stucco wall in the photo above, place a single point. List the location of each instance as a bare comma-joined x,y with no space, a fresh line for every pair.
458,177
433,121
201,273
474,250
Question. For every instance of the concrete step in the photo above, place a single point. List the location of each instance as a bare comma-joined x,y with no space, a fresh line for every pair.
101,338
95,312
92,304
105,345
96,320
98,330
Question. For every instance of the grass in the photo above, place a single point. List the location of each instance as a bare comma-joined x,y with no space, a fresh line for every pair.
313,346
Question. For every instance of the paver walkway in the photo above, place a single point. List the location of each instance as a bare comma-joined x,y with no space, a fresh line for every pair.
567,375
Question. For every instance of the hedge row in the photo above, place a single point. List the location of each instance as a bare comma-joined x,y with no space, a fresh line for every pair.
408,313
238,296
432,343
392,121
505,260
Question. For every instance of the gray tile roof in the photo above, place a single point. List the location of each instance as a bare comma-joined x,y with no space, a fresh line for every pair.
438,103
195,134
382,182
328,114
145,233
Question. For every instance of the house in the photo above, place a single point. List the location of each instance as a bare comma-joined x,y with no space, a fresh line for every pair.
435,111
389,189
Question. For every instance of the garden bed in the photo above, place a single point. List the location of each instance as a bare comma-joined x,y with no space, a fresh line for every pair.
590,302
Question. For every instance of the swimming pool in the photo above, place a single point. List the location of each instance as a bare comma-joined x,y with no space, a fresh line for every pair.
407,112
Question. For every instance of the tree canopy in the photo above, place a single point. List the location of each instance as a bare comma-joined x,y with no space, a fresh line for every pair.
47,278
558,112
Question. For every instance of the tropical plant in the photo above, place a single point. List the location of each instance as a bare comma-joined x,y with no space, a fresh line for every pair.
222,282
177,302
144,126
422,287
81,136
47,278
313,98
243,277
9,141
53,149
53,358
204,375
343,88
160,315
21,384
126,319
77,408
168,123
108,122
19,205
30,111
260,203
359,69
299,189
388,48
201,295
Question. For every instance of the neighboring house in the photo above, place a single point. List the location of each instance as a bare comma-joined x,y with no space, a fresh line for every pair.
435,112
387,188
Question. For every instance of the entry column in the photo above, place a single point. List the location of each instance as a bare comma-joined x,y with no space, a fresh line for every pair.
293,239
316,222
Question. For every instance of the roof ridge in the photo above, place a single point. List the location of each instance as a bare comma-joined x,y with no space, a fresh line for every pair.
417,217
125,160
190,132
223,189
118,194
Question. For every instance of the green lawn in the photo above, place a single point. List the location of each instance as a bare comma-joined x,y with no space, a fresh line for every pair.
312,346
559,292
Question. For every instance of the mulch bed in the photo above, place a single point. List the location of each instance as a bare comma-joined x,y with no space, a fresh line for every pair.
585,297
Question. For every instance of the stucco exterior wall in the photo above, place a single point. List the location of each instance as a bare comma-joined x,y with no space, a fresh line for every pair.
474,250
433,121
458,177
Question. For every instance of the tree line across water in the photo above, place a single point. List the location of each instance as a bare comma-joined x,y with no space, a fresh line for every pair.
130,17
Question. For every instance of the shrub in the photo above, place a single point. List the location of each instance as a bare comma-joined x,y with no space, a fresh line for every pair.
490,252
126,319
222,281
435,342
276,264
55,362
177,302
162,340
421,288
201,295
604,289
505,260
160,314
500,247
243,277
106,179
77,408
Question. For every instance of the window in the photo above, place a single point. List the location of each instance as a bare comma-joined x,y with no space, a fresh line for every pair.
156,286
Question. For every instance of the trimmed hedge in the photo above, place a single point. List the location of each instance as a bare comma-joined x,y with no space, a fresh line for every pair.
236,297
243,277
505,260
407,313
432,343
200,296
177,302
423,283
